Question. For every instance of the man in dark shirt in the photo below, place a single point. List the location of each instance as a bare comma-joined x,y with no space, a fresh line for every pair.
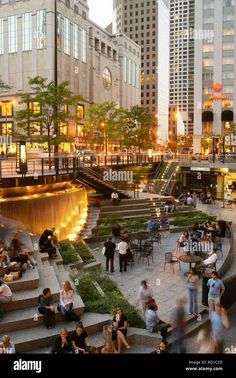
79,339
109,253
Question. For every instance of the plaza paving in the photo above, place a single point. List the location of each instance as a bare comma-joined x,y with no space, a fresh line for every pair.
168,286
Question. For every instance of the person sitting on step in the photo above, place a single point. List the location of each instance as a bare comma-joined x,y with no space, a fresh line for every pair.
66,302
3,255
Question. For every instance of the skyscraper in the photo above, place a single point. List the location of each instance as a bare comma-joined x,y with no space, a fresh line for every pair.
181,64
147,23
214,89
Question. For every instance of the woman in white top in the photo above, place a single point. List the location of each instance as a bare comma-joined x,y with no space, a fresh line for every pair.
66,302
5,293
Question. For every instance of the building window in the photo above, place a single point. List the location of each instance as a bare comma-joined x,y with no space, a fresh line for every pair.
6,109
228,31
6,128
106,78
76,9
138,78
207,105
207,62
228,46
41,29
84,45
228,89
228,75
59,31
27,31
227,104
229,3
34,107
80,111
207,48
12,34
125,68
76,42
1,37
228,60
66,36
68,3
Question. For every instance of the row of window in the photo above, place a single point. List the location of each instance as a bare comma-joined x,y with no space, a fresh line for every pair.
74,38
41,32
70,34
131,72
225,104
7,109
229,60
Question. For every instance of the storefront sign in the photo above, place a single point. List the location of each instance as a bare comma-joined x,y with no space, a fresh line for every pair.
230,140
217,97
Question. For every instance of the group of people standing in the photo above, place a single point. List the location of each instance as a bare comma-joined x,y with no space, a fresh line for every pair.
121,243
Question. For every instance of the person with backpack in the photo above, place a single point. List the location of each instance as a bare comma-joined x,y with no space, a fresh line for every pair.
45,308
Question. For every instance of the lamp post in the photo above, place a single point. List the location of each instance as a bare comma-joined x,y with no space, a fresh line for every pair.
21,158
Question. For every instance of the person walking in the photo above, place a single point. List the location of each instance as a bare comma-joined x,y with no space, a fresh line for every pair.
109,254
145,292
193,285
216,290
219,322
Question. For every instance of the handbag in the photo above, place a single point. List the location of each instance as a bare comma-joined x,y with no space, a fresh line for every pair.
103,250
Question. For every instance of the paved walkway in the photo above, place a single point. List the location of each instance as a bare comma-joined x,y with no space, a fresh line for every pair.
167,286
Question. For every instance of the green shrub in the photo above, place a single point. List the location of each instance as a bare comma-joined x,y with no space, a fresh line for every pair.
84,252
113,298
69,257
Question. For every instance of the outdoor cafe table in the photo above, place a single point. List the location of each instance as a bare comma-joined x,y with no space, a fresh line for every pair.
189,259
142,236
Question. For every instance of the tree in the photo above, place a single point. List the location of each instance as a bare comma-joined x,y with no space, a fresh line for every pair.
3,86
138,126
103,124
44,110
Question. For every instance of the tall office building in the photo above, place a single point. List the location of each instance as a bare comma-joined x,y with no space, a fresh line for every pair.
147,23
181,64
215,67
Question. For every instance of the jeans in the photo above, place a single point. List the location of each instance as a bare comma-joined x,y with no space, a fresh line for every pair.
193,301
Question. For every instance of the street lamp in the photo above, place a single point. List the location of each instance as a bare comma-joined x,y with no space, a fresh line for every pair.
21,158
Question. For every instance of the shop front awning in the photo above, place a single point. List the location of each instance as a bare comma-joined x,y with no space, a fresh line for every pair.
227,116
207,116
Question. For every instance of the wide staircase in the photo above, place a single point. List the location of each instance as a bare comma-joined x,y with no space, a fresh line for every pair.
21,320
134,208
94,179
165,178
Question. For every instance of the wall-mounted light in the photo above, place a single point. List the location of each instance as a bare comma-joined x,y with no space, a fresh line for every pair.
21,158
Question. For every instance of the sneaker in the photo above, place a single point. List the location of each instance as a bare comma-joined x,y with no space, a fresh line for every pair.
190,313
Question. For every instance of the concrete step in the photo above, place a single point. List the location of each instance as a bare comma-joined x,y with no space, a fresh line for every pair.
40,336
121,207
126,201
29,298
29,280
24,318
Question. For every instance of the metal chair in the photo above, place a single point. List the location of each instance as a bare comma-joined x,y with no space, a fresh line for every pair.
170,259
146,253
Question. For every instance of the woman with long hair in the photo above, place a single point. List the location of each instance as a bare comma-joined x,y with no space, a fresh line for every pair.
120,325
66,302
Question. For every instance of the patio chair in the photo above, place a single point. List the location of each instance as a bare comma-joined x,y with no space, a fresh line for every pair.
172,260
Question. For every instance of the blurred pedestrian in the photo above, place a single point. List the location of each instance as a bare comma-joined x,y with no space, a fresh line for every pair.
219,322
178,321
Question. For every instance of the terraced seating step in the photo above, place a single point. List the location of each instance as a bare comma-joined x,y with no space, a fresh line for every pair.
25,318
40,336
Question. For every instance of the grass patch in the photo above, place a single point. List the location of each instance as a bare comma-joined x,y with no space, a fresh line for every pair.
113,298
